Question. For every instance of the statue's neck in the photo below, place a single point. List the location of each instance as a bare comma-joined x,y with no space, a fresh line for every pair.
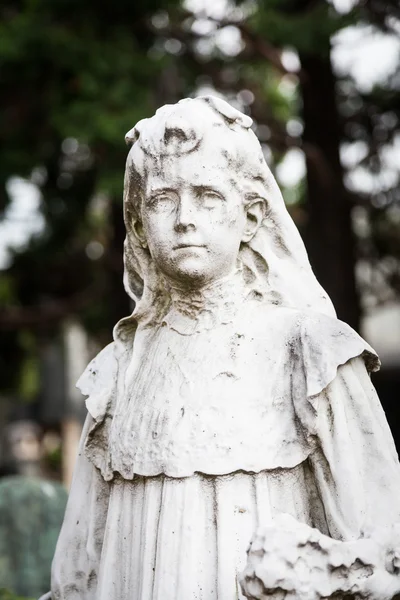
194,310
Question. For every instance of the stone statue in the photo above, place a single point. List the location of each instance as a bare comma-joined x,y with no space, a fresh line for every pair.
231,394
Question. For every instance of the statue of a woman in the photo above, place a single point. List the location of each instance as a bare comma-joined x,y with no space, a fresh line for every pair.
231,394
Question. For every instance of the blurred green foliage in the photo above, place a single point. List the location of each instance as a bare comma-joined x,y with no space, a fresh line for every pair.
7,595
305,26
77,75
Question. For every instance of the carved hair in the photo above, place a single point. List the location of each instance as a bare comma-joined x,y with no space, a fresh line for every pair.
173,132
275,261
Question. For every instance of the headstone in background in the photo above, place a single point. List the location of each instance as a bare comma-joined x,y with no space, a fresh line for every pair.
31,513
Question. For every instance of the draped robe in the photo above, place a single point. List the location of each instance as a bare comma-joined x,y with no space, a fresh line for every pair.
198,430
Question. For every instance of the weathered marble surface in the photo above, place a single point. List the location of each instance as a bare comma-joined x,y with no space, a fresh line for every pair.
290,560
230,395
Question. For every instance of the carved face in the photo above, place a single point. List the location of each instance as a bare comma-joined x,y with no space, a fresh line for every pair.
194,218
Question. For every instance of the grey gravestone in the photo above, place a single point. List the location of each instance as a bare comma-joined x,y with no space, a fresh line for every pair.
31,513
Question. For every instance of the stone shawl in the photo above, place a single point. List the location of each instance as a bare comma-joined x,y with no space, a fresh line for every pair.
237,395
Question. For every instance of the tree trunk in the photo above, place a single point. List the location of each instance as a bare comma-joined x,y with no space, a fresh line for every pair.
329,236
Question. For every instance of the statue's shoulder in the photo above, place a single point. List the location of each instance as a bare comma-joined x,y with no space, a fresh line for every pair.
98,381
324,343
314,343
100,370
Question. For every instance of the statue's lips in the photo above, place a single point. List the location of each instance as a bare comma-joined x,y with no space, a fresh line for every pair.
186,246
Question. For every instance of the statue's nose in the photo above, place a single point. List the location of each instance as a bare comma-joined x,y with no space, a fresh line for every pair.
186,214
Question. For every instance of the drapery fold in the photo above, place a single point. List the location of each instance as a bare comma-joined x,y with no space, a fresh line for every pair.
166,538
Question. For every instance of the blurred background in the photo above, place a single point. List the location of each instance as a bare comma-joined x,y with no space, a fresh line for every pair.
321,80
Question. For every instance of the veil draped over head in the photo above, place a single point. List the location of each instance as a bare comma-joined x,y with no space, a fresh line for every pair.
274,262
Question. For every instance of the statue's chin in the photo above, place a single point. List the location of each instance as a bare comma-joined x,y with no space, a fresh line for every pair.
190,272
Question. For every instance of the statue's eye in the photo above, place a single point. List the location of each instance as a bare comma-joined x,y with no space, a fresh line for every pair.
163,202
211,199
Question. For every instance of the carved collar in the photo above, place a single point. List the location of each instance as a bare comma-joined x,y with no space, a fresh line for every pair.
193,311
